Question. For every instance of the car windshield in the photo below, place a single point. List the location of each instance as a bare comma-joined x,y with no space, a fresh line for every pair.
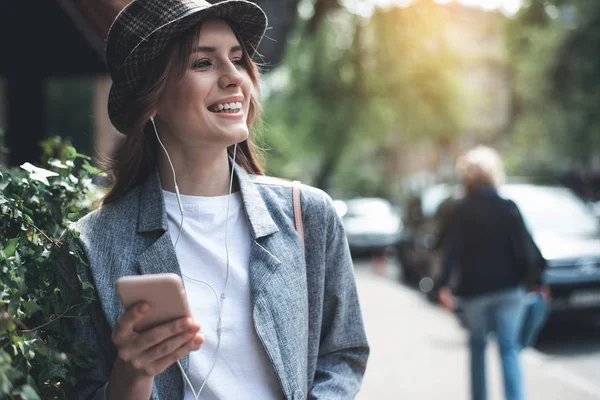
553,209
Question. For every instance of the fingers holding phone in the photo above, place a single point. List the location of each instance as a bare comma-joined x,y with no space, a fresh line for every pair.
152,351
159,357
156,330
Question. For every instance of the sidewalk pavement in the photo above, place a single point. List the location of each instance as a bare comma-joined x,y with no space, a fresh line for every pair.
418,351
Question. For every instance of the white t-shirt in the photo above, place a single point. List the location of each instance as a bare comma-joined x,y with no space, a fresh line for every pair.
243,369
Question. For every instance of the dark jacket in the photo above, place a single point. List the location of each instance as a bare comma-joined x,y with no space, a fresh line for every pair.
488,248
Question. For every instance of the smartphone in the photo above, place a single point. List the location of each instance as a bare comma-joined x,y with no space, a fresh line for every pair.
163,292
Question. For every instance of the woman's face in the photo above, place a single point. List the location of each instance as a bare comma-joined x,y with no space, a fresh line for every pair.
209,106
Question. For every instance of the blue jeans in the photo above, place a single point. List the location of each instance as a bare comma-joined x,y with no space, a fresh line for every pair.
502,313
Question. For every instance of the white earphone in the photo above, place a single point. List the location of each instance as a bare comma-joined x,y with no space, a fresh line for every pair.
223,295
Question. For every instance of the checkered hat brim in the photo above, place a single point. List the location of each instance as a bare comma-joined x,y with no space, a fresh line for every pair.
142,30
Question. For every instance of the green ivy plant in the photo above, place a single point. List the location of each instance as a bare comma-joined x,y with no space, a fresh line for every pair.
37,356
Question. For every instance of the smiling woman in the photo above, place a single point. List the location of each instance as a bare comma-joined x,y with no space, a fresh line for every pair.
215,74
280,316
178,84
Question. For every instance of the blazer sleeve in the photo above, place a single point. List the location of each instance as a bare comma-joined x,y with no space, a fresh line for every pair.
91,333
343,349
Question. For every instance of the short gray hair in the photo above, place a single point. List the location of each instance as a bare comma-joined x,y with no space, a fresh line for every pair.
481,166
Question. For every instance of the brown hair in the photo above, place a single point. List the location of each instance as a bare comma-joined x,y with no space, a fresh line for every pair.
136,155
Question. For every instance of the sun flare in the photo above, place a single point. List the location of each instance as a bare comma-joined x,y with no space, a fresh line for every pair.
509,7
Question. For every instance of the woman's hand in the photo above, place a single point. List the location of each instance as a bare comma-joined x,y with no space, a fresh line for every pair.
446,299
143,355
544,291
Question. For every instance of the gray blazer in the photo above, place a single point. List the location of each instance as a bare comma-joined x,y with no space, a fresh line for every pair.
305,304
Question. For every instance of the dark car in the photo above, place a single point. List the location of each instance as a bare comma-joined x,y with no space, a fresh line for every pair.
372,224
563,227
425,221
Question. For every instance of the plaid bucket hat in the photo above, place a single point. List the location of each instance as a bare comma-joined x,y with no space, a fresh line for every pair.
142,30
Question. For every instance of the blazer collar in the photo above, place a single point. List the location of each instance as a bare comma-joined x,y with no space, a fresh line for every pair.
261,222
153,215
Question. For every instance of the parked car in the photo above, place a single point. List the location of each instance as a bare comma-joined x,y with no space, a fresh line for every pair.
371,224
563,227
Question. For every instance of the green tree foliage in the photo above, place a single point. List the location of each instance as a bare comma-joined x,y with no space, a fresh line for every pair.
576,82
553,48
346,96
312,117
37,307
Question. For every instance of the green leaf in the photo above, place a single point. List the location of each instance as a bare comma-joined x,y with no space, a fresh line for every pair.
74,216
27,393
57,371
5,387
57,163
79,155
31,307
27,347
71,152
91,169
38,174
10,247
42,350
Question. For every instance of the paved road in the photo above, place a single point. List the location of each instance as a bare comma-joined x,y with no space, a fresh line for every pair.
419,349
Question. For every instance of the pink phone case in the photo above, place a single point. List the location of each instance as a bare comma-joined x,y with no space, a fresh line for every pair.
163,292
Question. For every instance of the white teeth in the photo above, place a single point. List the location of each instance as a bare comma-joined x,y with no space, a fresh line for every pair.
228,106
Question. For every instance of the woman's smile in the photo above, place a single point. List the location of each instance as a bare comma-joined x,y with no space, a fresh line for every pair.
230,107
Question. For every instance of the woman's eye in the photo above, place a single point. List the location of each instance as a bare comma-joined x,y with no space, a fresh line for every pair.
201,64
239,62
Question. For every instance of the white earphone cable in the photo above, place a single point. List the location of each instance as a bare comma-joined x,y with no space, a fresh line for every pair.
174,181
223,294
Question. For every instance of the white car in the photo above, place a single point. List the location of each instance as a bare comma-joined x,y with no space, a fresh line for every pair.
371,224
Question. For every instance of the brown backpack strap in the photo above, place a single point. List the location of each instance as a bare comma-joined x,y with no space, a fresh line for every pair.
298,210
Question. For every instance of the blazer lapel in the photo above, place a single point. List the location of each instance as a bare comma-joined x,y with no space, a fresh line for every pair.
159,257
280,308
278,289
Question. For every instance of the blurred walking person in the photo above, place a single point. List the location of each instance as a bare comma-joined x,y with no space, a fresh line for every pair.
489,261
